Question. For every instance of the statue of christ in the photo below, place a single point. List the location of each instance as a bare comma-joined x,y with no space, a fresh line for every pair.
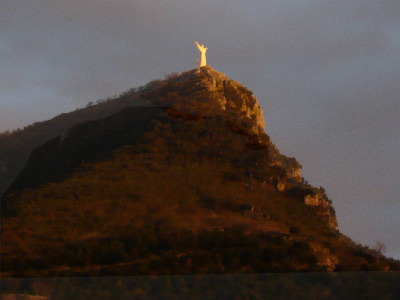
203,55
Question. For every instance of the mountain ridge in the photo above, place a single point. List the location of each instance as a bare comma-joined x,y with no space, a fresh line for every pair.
194,165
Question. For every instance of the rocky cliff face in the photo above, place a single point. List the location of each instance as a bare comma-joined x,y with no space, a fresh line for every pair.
322,202
207,92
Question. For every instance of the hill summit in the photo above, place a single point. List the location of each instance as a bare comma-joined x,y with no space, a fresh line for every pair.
209,93
183,180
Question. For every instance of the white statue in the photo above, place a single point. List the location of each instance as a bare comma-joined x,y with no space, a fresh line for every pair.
203,55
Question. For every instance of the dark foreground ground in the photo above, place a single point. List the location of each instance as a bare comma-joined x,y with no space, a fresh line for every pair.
343,285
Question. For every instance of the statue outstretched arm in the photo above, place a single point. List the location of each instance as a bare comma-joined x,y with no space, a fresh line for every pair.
198,46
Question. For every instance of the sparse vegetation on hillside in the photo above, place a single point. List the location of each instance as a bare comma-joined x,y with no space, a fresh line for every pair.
161,204
166,190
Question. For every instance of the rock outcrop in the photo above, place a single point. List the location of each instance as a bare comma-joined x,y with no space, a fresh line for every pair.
322,202
207,92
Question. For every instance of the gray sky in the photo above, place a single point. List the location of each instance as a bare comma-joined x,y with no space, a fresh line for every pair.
326,74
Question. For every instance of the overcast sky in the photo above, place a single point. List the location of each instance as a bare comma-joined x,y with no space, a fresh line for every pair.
326,74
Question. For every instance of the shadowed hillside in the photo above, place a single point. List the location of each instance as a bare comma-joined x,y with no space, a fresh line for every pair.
16,147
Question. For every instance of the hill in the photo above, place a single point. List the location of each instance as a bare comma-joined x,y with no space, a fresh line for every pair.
189,183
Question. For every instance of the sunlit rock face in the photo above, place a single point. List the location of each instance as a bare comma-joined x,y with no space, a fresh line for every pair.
325,205
280,185
315,200
324,256
295,173
207,92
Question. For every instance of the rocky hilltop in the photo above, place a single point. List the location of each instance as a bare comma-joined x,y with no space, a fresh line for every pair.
211,93
187,183
206,92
